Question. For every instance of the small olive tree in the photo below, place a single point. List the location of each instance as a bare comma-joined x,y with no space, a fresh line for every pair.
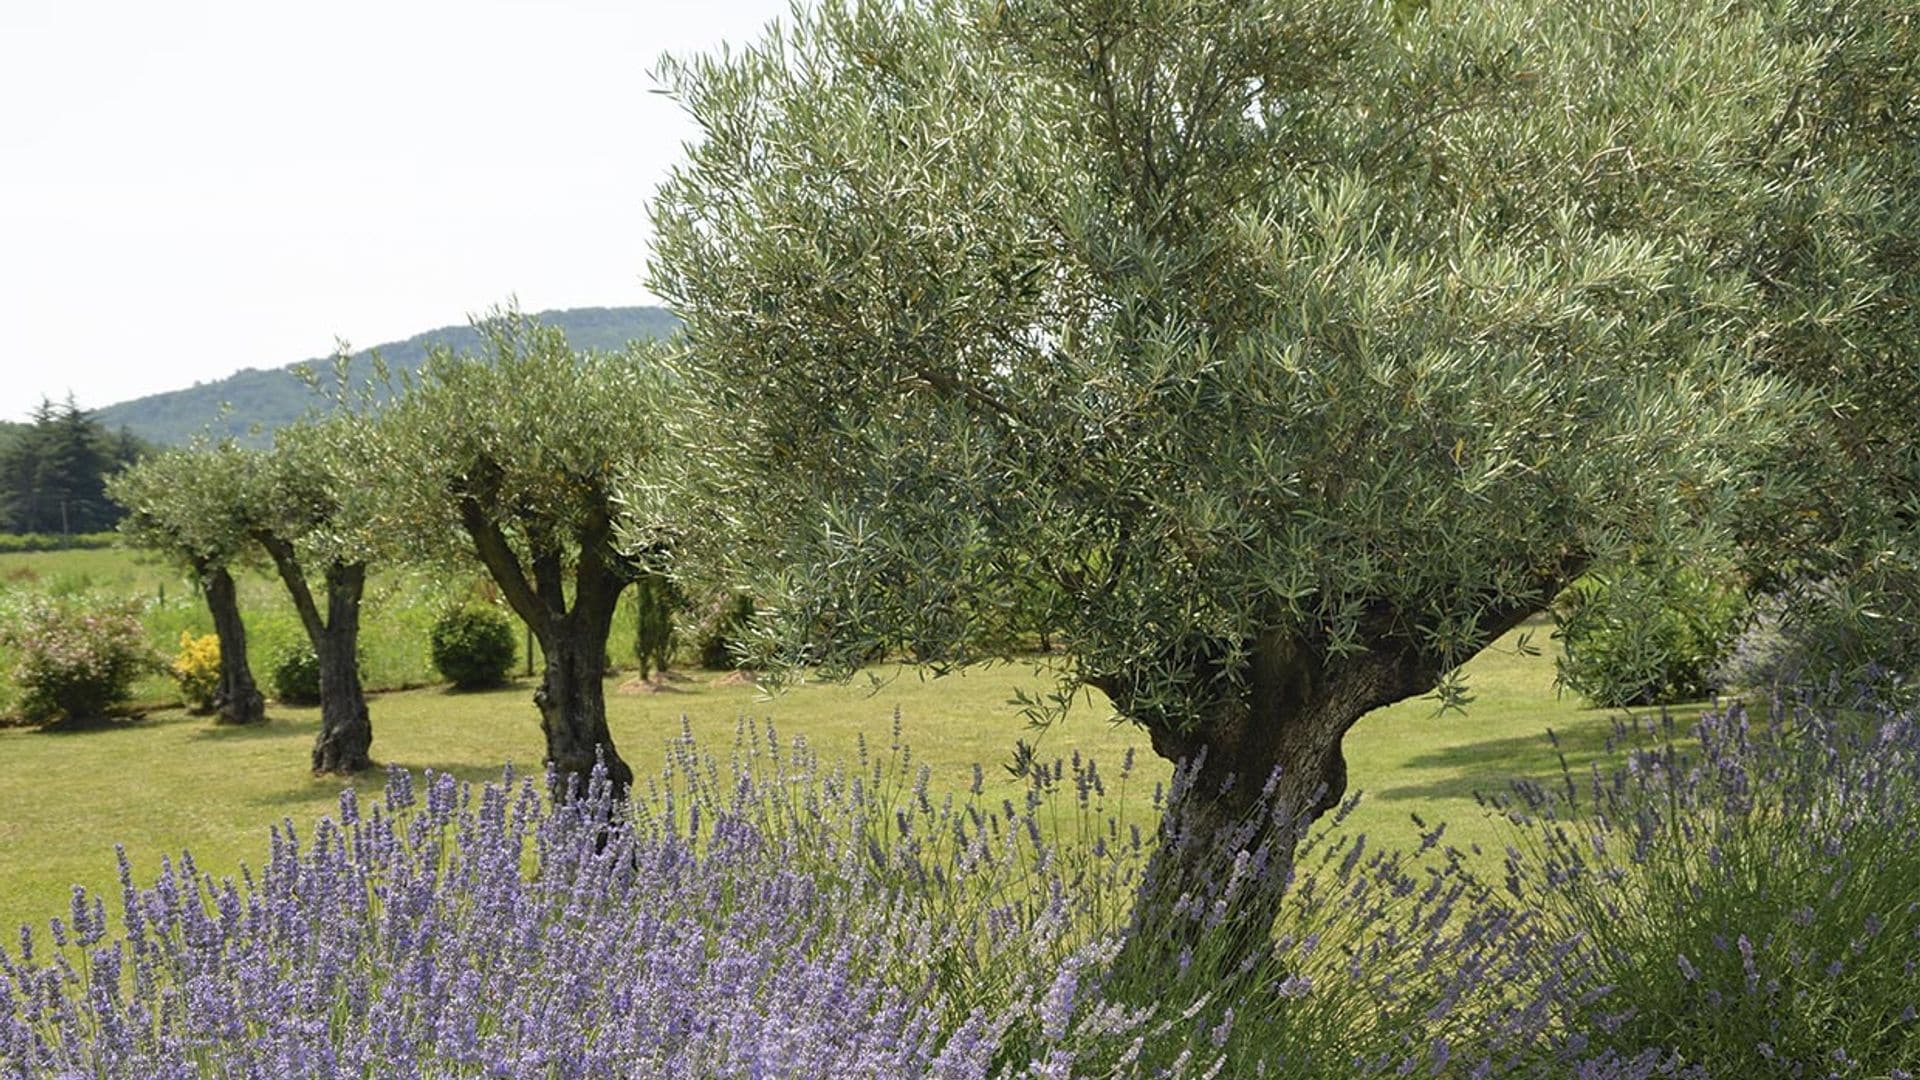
190,506
523,453
312,510
1281,355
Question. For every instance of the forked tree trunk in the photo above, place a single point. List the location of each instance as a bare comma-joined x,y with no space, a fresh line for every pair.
573,641
237,700
1255,773
346,732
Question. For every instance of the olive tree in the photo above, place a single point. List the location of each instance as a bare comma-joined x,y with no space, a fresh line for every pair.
312,510
189,505
521,453
1279,355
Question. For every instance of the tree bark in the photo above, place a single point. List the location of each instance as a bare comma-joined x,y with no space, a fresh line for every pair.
346,731
1255,771
573,643
237,700
573,705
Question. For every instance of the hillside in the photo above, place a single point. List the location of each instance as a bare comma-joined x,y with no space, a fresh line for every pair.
263,400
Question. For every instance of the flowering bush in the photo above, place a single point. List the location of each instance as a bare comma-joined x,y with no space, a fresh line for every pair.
768,917
196,669
1749,905
73,659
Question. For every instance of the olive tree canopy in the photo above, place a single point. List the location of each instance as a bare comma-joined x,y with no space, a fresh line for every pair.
1288,352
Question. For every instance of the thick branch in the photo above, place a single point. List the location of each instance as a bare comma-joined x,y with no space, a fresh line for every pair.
490,544
287,561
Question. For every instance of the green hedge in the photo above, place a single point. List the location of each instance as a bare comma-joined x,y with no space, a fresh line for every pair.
13,542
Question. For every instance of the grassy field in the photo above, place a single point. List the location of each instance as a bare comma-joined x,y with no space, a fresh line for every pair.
170,781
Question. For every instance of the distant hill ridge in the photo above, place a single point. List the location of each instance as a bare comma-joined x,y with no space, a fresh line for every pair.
264,400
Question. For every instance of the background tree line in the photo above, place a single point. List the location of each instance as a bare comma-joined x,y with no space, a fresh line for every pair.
53,471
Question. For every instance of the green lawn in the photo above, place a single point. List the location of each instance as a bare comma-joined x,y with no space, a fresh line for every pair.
171,781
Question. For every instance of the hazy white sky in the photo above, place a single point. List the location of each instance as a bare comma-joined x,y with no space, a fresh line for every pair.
193,187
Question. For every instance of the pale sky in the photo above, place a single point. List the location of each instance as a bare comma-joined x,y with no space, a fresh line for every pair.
192,187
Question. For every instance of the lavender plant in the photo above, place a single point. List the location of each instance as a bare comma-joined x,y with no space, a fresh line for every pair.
1748,905
767,915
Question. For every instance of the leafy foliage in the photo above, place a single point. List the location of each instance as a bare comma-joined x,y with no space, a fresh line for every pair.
655,600
296,674
1643,635
196,669
472,646
1213,324
720,641
74,660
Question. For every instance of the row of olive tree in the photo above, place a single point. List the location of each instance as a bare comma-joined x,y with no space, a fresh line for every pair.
519,459
1283,353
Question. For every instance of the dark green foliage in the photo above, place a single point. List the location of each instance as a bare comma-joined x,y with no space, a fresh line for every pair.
53,472
1640,636
296,675
473,647
720,636
655,599
249,405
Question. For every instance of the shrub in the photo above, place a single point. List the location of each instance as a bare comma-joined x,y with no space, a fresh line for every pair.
1643,636
196,669
1748,902
1842,641
654,601
296,675
73,659
719,640
472,647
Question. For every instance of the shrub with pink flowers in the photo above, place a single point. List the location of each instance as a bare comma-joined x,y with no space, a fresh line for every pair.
74,659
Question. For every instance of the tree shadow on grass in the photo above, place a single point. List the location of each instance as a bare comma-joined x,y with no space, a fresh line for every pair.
275,727
1490,767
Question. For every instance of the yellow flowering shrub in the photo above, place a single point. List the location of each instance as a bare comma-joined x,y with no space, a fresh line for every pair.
196,668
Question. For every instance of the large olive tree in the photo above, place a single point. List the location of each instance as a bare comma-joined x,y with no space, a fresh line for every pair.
521,453
1281,354
312,508
190,506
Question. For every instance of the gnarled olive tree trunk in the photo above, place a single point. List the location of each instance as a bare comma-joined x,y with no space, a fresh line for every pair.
346,731
571,697
1255,771
237,700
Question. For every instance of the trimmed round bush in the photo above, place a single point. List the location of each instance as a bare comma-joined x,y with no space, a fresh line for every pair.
296,675
473,647
74,660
